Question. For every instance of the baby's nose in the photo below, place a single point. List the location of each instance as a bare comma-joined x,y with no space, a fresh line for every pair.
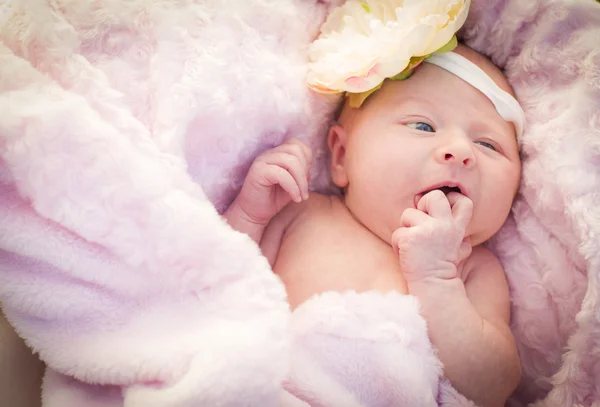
458,152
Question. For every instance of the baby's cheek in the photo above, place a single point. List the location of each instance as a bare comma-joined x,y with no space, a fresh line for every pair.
503,196
488,218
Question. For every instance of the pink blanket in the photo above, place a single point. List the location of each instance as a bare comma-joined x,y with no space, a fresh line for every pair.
368,349
127,126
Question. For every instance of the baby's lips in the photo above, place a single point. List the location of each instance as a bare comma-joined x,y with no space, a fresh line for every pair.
417,199
454,197
452,201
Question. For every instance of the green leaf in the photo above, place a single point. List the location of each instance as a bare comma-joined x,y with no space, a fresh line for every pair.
402,75
355,100
450,45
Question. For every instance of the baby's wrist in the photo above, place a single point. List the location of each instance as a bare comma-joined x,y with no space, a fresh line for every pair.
239,220
444,271
431,285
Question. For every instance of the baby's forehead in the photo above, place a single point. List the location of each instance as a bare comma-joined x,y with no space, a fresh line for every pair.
429,83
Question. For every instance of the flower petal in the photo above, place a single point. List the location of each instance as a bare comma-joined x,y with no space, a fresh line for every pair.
365,41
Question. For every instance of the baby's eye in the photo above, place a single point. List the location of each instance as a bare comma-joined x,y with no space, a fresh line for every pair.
486,145
421,127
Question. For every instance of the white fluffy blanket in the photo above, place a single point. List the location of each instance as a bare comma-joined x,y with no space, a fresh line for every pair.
124,124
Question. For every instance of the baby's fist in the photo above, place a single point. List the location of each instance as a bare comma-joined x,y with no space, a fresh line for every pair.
276,177
432,239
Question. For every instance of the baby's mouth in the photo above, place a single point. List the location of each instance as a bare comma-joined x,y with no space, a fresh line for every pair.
446,189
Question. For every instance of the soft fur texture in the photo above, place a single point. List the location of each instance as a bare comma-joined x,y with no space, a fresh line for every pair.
365,350
550,246
126,123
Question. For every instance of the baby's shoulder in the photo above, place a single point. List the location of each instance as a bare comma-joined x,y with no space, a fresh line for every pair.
483,255
316,210
322,204
316,206
481,259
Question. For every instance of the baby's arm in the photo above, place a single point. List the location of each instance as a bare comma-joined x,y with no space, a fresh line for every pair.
277,177
467,322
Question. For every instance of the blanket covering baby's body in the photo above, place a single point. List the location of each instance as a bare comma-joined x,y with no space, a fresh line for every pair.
367,349
127,127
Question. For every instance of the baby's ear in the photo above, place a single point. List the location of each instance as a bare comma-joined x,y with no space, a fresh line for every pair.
336,140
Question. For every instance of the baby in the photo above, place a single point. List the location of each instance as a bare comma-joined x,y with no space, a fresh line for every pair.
429,168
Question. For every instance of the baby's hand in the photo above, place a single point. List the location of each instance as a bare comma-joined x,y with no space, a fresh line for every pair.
431,241
275,178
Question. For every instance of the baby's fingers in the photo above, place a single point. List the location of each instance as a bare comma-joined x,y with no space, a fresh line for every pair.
298,148
412,217
462,209
276,175
295,166
400,235
435,204
465,249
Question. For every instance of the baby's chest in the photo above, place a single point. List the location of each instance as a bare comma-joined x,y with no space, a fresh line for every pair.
367,263
340,255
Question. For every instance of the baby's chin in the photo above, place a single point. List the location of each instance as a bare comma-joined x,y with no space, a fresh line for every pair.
480,235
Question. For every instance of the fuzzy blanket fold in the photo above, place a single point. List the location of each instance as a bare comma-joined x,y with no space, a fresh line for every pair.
365,350
127,126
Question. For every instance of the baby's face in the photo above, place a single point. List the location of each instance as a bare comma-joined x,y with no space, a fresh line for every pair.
412,136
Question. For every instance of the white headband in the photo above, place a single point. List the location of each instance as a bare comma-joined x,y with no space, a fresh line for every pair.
506,105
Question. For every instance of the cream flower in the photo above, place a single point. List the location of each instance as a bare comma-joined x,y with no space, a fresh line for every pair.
364,42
